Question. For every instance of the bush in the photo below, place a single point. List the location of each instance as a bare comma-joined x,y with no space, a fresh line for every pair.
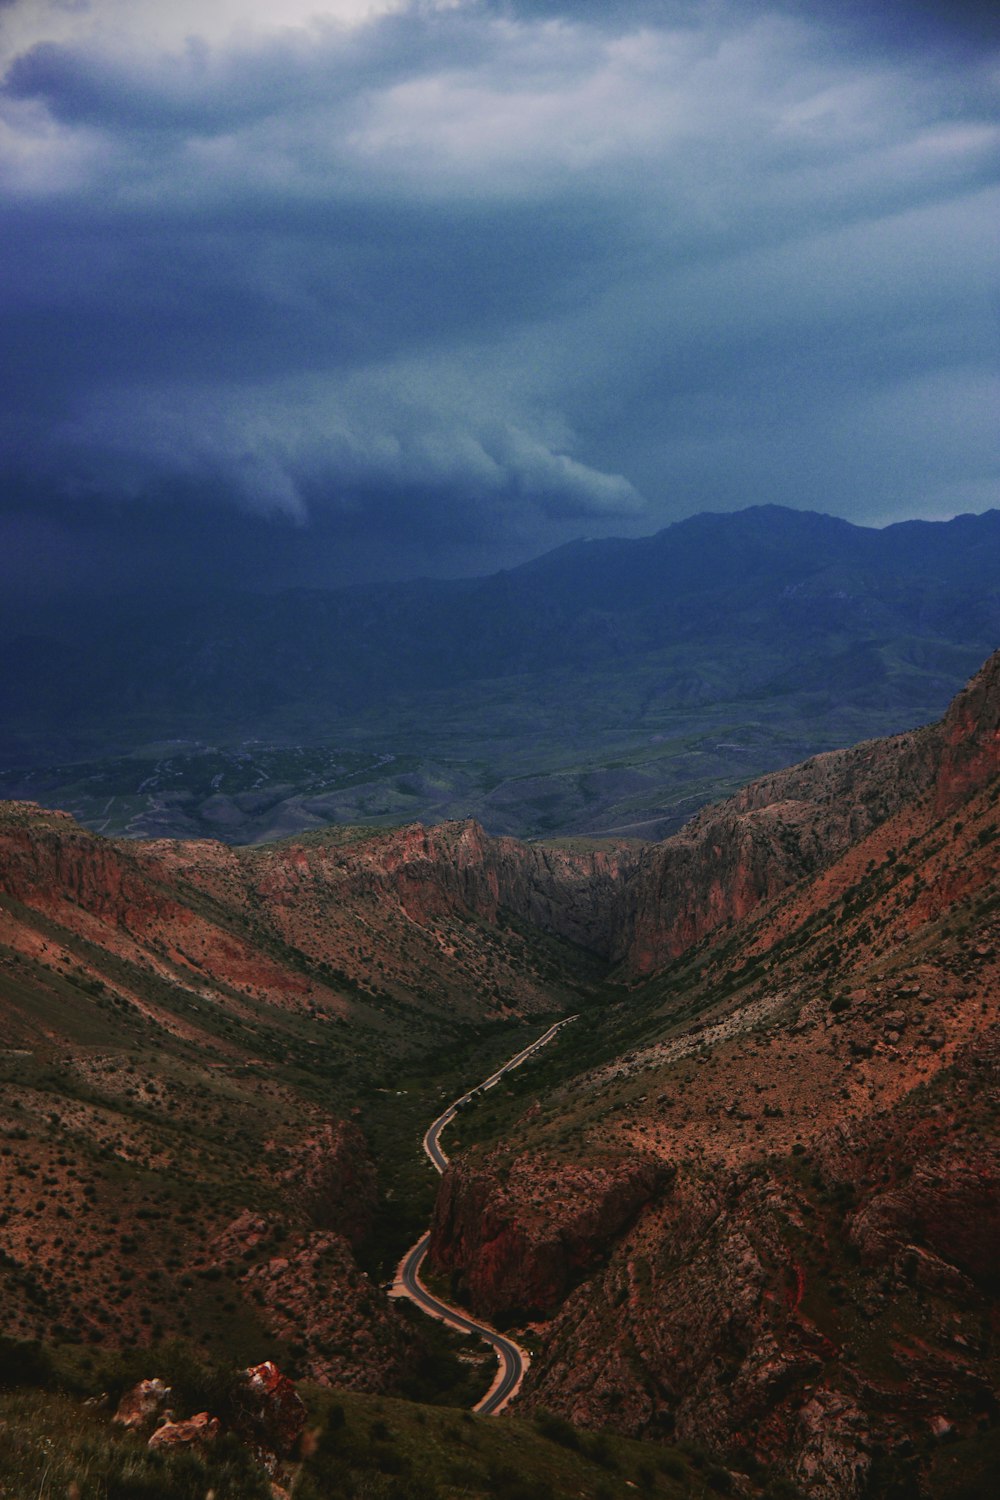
24,1363
720,1480
197,1383
599,1449
506,1483
673,1466
557,1429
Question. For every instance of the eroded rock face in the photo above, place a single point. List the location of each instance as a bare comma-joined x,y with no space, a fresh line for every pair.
435,873
786,827
517,1240
832,1443
573,894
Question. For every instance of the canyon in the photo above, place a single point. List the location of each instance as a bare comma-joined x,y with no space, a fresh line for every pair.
809,1274
747,1201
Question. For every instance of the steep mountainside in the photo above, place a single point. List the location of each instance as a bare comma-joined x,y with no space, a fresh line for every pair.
810,1092
344,924
749,1197
183,1028
783,828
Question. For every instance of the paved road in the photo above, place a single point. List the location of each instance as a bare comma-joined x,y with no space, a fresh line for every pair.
512,1360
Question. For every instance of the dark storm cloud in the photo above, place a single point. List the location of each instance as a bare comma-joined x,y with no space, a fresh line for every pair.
457,281
204,88
901,21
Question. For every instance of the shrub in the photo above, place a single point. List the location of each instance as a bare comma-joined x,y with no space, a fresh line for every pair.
24,1363
557,1429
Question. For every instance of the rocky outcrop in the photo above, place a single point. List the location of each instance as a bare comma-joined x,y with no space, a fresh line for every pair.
331,1180
263,1408
271,1411
313,1294
516,1237
949,1207
573,893
968,740
737,1313
774,833
457,869
832,1441
50,863
143,1404
698,1319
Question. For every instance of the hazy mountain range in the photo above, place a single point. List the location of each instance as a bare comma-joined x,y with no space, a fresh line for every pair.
609,686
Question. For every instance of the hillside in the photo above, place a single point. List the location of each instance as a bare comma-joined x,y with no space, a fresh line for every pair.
783,828
190,1038
610,687
804,1101
748,1200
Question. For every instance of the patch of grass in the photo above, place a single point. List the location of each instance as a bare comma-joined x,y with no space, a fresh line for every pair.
438,1453
52,1447
365,1447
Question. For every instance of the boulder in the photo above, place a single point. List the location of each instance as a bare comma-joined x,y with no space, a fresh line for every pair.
272,1411
199,1429
141,1406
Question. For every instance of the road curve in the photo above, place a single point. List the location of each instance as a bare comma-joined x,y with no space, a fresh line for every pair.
512,1360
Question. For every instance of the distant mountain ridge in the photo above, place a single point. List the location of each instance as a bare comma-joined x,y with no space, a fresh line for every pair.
794,570
768,632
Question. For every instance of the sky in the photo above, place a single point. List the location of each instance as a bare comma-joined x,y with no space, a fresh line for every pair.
325,291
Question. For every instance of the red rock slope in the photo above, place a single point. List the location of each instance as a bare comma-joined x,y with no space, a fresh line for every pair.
784,828
812,1096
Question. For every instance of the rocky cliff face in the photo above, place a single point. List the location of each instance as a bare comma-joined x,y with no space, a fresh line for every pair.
784,828
516,1236
775,832
308,1290
812,1287
823,1316
453,870
327,925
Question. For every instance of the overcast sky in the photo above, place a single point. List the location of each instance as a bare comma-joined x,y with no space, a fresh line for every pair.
324,290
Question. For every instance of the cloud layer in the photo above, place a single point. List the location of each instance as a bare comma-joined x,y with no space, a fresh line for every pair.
465,279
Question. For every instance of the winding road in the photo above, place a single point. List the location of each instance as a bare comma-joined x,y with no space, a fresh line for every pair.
512,1360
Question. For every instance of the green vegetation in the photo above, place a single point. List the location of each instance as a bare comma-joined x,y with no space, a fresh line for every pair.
355,1446
53,1447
